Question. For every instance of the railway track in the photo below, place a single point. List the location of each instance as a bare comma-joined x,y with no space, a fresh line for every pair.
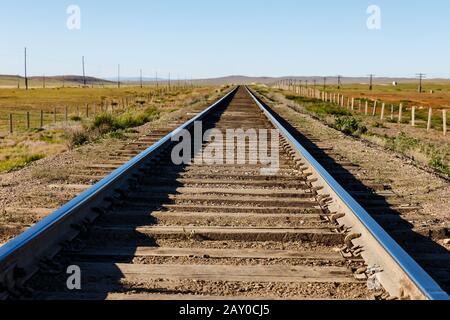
156,230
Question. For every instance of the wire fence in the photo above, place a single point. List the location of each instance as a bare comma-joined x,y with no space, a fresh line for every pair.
23,121
415,116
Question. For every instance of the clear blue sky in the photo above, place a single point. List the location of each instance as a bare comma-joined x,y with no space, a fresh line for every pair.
206,38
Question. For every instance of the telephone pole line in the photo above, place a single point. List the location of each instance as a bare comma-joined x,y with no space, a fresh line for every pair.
339,81
141,79
84,72
421,76
26,77
371,81
324,83
118,76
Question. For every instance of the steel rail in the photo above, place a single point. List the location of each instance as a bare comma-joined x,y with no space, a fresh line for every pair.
41,240
420,284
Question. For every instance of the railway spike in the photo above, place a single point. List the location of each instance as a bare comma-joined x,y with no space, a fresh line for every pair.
348,240
336,216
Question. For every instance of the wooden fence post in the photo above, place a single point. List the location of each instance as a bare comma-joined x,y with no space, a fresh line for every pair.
66,114
28,120
87,110
54,115
392,112
430,115
444,116
353,104
366,110
400,113
413,116
10,123
374,113
383,106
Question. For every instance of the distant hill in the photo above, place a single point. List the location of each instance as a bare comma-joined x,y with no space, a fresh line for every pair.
74,80
13,81
319,80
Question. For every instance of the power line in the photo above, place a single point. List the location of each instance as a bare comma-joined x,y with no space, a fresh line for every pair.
371,81
421,76
118,76
26,77
84,73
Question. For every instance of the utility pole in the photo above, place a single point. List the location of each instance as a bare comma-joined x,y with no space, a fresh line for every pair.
324,83
118,76
339,81
421,76
141,79
371,81
84,72
169,81
156,80
43,81
26,77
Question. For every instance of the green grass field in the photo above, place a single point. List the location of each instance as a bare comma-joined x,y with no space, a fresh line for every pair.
78,101
24,145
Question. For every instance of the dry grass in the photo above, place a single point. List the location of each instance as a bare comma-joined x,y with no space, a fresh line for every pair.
403,93
428,148
25,146
13,100
17,151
